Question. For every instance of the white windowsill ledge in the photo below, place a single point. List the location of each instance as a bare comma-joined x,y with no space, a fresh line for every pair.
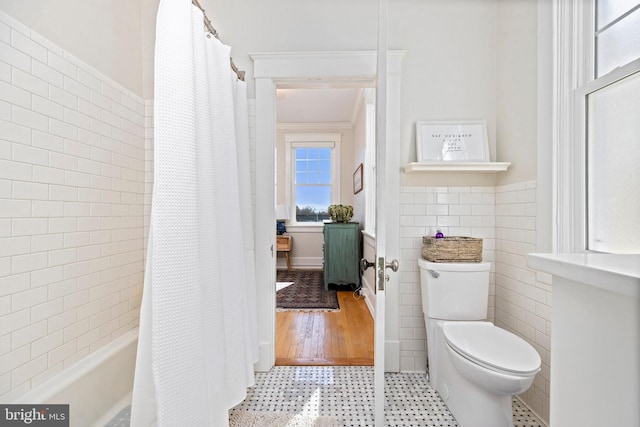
612,272
315,228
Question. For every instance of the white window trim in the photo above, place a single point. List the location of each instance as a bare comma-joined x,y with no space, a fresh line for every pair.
573,79
293,140
572,65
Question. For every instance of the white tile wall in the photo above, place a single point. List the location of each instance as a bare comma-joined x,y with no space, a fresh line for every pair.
523,296
456,211
519,298
148,169
73,173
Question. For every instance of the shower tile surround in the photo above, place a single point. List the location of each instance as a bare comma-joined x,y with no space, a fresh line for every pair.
346,392
72,198
519,298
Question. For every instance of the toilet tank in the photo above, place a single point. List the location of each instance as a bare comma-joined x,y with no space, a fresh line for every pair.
459,292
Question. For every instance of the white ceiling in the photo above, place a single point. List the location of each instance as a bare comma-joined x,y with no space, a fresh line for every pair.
318,105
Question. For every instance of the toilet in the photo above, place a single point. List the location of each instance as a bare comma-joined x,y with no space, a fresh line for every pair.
474,366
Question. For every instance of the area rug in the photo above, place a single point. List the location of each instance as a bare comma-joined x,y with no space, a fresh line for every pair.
306,293
271,419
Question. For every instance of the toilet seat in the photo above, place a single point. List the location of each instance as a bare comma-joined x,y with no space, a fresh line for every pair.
492,347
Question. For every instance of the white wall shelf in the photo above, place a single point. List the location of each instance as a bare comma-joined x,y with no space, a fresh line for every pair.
416,167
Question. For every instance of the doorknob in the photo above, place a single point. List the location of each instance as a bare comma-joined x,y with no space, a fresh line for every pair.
382,266
364,264
393,265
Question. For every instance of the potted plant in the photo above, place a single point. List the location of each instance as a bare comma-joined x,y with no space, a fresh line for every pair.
340,213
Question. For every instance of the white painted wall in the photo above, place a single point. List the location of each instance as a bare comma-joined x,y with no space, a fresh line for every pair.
292,26
443,77
148,34
450,67
359,147
517,89
105,35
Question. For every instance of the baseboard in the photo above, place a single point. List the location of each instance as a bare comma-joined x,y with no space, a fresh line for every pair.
300,263
369,299
266,359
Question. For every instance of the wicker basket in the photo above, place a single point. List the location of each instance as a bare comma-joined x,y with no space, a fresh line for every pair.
452,249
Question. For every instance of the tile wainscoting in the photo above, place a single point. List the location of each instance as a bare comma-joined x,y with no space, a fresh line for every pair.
72,184
519,298
523,296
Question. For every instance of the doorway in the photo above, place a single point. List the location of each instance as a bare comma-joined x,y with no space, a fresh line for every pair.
322,137
347,68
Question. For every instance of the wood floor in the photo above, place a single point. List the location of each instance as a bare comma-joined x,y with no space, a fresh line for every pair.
343,338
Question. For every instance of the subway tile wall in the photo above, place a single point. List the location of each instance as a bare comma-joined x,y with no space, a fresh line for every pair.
519,298
72,185
523,296
148,169
456,211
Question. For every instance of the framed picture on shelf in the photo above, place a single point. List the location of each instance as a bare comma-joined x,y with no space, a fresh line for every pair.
357,180
452,141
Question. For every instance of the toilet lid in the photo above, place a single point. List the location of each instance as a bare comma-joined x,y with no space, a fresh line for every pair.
492,347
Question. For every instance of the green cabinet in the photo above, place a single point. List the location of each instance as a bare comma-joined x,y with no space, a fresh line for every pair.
342,253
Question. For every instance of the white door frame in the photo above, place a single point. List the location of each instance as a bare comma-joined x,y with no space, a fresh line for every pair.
317,68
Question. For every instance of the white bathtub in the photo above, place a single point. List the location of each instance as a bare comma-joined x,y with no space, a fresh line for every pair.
96,388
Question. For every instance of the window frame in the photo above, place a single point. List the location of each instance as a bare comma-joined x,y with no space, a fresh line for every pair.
310,140
574,79
582,97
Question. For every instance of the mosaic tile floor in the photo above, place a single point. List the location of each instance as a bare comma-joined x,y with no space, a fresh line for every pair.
347,392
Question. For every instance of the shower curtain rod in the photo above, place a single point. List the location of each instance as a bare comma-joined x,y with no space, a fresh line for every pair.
214,33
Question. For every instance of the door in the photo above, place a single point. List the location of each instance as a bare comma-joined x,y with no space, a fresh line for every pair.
380,227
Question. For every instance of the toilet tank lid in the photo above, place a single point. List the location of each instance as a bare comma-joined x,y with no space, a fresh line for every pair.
454,266
492,346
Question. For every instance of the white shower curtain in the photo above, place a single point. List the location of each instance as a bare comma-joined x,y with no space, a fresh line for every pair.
198,326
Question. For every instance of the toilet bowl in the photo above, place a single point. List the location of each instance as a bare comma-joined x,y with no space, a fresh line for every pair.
491,357
474,366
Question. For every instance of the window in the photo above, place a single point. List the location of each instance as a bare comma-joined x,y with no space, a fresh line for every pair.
598,82
313,178
611,109
617,34
613,166
312,186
